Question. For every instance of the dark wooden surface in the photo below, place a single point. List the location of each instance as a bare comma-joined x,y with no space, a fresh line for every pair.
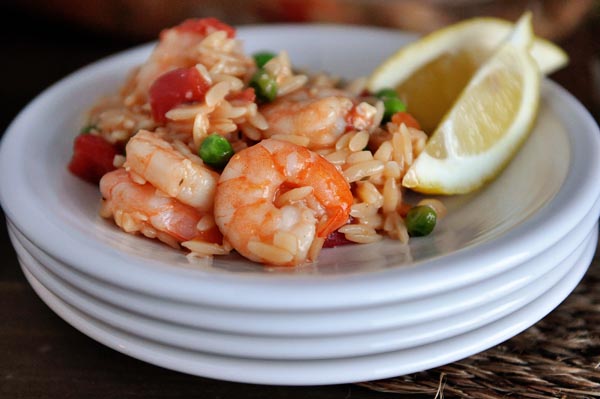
41,356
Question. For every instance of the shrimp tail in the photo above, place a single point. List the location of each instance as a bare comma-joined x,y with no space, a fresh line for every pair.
333,222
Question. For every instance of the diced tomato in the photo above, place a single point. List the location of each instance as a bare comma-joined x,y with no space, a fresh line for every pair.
92,157
335,238
407,119
205,26
244,95
404,208
211,235
176,87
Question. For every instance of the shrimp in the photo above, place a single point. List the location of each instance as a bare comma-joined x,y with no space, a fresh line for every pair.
172,51
185,178
321,115
276,201
142,208
179,47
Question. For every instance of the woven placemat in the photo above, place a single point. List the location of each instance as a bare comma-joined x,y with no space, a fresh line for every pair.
559,357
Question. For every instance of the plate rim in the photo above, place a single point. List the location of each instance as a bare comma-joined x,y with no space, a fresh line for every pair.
305,348
302,372
66,273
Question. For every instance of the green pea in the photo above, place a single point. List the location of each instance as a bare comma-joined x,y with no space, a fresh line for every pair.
262,58
420,221
215,150
264,86
386,93
391,102
88,128
391,106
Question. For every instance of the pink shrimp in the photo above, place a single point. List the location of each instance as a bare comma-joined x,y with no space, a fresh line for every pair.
175,49
276,202
321,115
185,178
144,209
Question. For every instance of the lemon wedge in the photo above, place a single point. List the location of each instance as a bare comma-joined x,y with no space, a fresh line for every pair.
429,74
487,123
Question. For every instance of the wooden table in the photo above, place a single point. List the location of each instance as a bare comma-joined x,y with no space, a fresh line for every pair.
41,356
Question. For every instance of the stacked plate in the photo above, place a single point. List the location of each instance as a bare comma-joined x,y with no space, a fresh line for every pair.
502,259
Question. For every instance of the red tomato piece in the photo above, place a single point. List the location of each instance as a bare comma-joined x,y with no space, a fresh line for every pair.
92,157
404,208
204,26
181,85
335,238
211,235
407,119
244,95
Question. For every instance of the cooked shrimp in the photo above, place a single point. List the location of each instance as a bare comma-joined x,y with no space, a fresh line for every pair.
142,208
276,201
180,47
321,115
187,179
172,51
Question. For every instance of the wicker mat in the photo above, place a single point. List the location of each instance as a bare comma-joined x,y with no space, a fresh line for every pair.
559,357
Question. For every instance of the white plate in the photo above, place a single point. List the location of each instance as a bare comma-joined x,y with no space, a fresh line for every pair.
316,372
321,347
530,207
339,322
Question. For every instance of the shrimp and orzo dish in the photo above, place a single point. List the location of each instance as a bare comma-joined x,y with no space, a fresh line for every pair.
212,150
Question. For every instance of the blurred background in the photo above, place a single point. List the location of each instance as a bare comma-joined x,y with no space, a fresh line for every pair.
47,39
142,18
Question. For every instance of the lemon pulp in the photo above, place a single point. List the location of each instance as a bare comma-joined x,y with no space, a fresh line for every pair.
430,74
482,116
430,91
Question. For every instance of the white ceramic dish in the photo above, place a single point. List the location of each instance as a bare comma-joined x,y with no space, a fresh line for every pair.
294,348
341,322
526,210
327,371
